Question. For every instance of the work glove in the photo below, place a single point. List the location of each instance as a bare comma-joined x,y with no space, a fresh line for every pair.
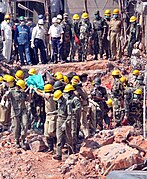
63,127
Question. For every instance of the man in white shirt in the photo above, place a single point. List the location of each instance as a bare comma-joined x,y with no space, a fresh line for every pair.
56,39
38,41
6,31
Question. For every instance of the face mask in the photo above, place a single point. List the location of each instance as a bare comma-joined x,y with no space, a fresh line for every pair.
96,16
59,100
134,77
55,24
59,21
136,96
22,23
115,16
107,17
40,26
85,20
76,21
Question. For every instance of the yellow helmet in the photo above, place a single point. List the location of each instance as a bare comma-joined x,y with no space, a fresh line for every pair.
116,11
85,15
10,79
21,84
75,80
123,79
1,79
32,71
107,12
58,76
5,77
115,73
136,72
138,91
19,74
76,17
68,88
57,95
7,16
65,78
133,19
48,88
109,102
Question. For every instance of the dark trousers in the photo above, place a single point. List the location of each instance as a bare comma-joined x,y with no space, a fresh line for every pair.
39,44
56,47
24,49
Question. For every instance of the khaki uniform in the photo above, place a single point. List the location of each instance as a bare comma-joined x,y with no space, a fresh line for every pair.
64,117
115,32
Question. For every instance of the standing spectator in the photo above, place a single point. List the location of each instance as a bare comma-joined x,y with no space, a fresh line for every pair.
38,41
6,32
22,40
56,39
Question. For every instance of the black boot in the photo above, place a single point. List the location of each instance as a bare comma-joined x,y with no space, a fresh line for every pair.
96,56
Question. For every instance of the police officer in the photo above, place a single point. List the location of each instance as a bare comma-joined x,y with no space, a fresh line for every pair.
56,39
115,35
67,37
99,31
134,35
17,96
38,41
63,127
117,97
76,109
22,40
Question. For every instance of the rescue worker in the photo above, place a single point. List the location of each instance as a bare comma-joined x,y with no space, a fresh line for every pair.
17,96
58,85
6,33
117,97
22,40
67,37
115,35
83,96
124,80
134,35
134,81
19,75
56,39
63,126
76,110
38,42
51,116
59,76
75,36
65,79
98,36
140,80
99,95
85,32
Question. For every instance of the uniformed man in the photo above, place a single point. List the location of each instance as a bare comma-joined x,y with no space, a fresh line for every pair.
134,35
115,35
17,96
63,126
133,80
51,116
67,37
98,36
117,97
76,109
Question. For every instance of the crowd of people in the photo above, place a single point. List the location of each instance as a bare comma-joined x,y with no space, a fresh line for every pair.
65,37
60,106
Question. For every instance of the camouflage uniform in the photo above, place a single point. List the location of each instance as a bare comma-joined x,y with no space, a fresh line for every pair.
64,117
117,97
85,31
67,26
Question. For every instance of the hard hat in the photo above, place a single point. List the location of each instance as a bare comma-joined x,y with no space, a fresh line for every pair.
96,81
65,78
1,79
32,71
133,19
116,11
109,102
115,73
10,79
123,79
85,15
21,18
58,85
75,80
140,77
7,16
65,15
40,22
48,88
19,74
107,12
136,72
41,16
57,95
21,84
138,91
68,88
58,76
5,77
59,16
54,20
76,17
